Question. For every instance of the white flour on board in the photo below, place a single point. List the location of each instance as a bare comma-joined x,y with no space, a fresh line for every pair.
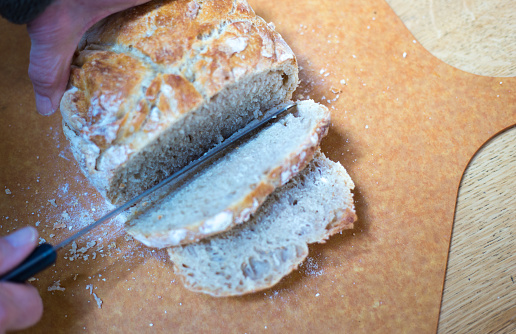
311,267
58,201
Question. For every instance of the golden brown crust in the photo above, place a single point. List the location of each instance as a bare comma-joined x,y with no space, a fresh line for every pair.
345,222
241,210
171,55
99,104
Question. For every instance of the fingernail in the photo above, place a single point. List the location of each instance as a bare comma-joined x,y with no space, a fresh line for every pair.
25,236
44,105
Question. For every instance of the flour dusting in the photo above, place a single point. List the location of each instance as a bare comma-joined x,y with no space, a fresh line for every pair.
311,267
56,286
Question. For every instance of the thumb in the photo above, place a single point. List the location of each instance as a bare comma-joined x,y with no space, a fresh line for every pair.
49,70
54,37
15,247
48,80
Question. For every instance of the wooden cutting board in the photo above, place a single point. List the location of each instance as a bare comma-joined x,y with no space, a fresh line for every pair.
479,294
479,291
405,125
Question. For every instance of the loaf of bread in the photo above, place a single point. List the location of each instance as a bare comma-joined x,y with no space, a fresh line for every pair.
233,187
157,86
255,255
154,87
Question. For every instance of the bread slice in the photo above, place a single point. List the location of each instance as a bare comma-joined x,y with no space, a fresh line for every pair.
232,188
154,87
255,255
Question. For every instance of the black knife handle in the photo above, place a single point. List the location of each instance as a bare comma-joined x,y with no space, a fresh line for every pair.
41,258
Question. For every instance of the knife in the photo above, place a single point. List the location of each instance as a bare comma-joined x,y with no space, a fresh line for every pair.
45,254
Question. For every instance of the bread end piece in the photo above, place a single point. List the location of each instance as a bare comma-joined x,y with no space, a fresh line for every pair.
254,256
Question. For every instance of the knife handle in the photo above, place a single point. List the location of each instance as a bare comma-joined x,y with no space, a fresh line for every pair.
41,258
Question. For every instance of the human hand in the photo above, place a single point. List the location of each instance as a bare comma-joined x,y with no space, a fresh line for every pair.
20,304
54,36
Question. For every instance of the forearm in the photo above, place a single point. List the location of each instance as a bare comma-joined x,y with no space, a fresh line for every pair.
22,11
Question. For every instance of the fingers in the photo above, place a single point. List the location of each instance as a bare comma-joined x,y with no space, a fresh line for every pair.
15,247
49,71
54,37
20,306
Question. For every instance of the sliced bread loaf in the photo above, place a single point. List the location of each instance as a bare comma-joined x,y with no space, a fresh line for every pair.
233,187
154,87
257,254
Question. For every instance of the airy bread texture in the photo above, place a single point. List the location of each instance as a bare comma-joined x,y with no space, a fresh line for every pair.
253,256
154,87
233,187
157,86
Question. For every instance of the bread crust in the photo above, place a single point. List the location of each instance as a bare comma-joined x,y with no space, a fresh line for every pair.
195,279
240,211
345,222
138,72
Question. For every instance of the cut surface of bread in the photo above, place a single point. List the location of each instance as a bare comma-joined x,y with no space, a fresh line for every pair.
228,191
255,255
156,86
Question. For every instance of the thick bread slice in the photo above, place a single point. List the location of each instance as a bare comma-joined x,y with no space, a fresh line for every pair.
257,254
233,187
154,87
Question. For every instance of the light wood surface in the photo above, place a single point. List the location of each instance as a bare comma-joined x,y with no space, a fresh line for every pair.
480,288
479,292
475,36
405,125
